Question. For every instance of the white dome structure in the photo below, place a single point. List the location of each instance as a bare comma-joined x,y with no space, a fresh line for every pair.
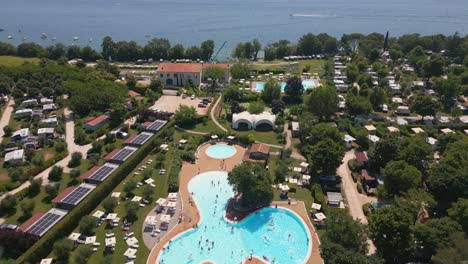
252,121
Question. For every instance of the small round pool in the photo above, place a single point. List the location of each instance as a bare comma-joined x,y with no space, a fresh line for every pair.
221,151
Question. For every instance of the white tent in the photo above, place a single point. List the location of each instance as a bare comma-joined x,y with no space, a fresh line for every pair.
161,201
320,216
214,137
98,214
306,177
171,204
111,216
47,261
149,181
132,241
304,164
172,196
151,219
297,169
165,218
130,252
74,236
115,194
110,242
90,240
136,199
316,206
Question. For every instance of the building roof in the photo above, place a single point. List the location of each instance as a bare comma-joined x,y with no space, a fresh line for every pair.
100,173
97,120
45,130
120,155
46,222
361,156
295,126
259,147
180,67
431,140
155,126
366,176
447,130
334,197
393,129
14,155
24,132
348,138
89,173
370,128
24,226
139,139
62,195
25,110
417,130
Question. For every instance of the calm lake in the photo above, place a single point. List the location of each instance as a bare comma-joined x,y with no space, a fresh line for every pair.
192,21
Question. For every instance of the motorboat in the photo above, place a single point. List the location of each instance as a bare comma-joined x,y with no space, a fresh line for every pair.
43,36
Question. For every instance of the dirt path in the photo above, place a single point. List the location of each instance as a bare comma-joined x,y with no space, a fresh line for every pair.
213,117
354,199
6,115
295,154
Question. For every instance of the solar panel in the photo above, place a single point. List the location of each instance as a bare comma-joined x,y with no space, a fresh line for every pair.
44,224
102,173
77,195
142,138
156,125
123,154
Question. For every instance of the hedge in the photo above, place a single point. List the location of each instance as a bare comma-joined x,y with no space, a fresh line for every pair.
42,248
318,194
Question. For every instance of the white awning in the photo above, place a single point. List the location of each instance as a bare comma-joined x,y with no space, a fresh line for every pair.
165,218
74,236
115,194
316,206
214,137
132,241
171,204
98,214
110,241
297,169
304,164
172,196
90,240
161,201
130,252
111,216
136,199
320,216
47,261
306,177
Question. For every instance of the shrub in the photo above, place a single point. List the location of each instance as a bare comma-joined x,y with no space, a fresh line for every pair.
318,194
355,176
55,173
359,187
75,160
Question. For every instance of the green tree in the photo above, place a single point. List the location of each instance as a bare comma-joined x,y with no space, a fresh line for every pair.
176,52
390,229
253,183
377,97
416,151
277,106
156,85
157,48
450,174
129,186
206,50
109,204
131,209
240,71
34,187
425,106
215,74
323,102
455,253
434,66
271,91
27,207
320,132
87,224
326,156
82,255
193,53
232,93
448,90
75,160
52,190
400,177
434,234
148,191
256,107
358,105
55,173
185,116
459,213
8,203
383,152
294,88
62,248
342,229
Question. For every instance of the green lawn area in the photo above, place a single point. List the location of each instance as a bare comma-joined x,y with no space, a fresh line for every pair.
159,191
207,127
316,66
15,61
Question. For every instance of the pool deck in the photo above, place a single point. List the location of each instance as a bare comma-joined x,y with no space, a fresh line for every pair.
204,164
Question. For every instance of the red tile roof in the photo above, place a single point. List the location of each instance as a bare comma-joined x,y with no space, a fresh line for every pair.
64,194
30,222
147,124
366,176
111,155
361,157
97,120
262,148
90,172
130,139
179,67
225,66
133,93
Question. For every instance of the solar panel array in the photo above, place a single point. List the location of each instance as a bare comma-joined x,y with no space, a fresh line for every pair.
102,173
45,223
142,138
77,195
123,154
156,125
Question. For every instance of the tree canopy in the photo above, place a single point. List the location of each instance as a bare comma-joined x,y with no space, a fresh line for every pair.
271,91
252,182
400,177
323,102
185,116
294,88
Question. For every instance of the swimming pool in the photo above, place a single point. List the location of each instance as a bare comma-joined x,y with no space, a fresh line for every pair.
276,233
220,151
259,86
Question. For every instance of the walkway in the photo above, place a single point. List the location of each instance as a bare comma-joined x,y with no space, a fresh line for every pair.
354,199
213,117
6,115
295,154
191,131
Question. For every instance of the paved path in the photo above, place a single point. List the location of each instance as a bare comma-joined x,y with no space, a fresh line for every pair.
213,117
191,131
354,199
295,154
6,115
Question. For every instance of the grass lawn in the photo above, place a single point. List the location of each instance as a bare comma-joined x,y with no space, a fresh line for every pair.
316,66
159,191
207,127
15,61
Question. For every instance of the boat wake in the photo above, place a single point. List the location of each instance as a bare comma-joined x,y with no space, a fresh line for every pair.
308,15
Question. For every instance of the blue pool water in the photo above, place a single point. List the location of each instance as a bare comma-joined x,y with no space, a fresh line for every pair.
275,233
221,151
259,86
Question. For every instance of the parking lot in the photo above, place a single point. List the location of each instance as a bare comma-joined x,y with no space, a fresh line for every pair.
171,103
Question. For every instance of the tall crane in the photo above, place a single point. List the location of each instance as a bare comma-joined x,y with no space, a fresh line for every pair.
213,58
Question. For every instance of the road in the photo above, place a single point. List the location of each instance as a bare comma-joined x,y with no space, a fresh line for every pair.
354,199
6,115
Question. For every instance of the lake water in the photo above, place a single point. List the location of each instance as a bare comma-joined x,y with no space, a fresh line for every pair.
192,21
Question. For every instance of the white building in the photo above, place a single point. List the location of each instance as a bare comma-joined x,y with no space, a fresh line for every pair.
251,121
14,158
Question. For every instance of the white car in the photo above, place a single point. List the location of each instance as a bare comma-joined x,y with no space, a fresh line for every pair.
192,97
